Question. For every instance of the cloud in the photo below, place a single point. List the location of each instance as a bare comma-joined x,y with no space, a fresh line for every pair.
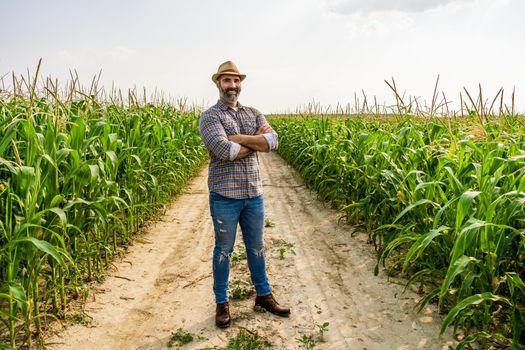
374,6
72,56
379,24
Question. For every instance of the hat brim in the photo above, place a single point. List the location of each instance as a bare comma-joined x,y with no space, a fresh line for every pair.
216,76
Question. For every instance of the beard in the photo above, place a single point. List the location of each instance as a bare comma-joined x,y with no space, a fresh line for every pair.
228,96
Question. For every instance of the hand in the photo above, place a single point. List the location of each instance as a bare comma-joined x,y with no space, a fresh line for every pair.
264,129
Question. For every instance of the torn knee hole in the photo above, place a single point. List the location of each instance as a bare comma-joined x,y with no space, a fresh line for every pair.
258,252
224,256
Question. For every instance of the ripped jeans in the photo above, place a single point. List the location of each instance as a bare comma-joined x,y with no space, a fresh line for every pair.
249,214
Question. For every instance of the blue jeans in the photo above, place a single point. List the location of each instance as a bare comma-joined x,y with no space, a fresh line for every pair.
226,214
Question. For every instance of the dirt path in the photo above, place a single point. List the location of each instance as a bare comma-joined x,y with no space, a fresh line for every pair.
164,282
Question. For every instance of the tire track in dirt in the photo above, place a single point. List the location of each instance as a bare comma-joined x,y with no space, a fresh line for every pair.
334,272
171,260
164,282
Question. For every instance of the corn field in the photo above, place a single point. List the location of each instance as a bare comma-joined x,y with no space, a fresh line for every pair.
78,177
442,201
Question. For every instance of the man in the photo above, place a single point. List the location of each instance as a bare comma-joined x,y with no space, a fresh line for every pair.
233,134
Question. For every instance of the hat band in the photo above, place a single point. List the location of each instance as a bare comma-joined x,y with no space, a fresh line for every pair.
230,72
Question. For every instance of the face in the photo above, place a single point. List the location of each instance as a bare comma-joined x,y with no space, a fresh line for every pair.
229,88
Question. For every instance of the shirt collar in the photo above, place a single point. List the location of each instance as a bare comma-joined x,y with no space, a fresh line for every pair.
224,107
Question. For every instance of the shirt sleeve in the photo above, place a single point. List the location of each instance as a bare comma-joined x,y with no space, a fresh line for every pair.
234,150
215,139
271,138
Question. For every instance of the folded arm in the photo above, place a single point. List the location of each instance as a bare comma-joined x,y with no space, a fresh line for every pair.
216,141
259,142
243,152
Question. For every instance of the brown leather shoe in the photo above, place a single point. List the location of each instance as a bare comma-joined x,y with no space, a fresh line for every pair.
222,315
269,303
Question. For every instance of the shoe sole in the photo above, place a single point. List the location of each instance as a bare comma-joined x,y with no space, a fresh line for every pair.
259,308
222,326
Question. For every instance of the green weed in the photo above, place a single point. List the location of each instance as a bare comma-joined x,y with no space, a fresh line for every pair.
323,328
245,340
285,247
307,342
239,290
179,338
238,256
268,223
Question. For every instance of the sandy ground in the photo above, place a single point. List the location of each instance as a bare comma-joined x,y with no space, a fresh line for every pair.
164,282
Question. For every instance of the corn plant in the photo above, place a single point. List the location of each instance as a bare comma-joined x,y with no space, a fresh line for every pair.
440,202
78,177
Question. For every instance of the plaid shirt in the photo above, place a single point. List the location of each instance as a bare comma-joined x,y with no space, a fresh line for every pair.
228,177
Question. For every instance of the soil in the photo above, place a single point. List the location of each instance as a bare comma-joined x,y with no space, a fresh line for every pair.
164,282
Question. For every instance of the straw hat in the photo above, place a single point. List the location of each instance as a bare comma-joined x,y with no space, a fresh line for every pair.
227,67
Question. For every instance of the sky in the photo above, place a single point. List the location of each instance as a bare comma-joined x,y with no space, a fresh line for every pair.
294,52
